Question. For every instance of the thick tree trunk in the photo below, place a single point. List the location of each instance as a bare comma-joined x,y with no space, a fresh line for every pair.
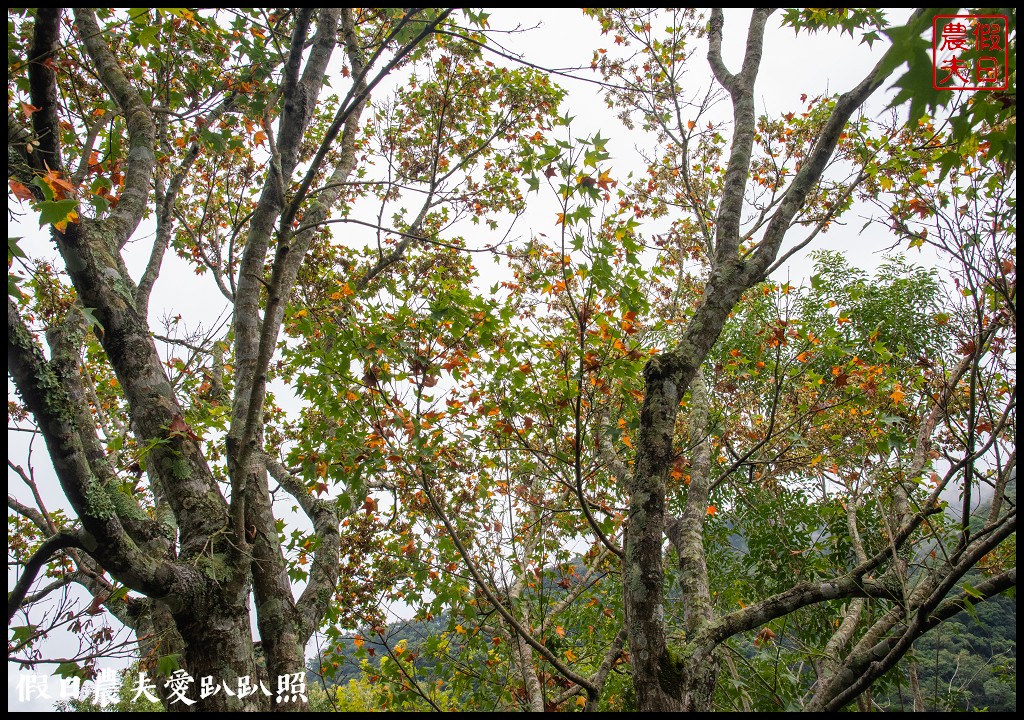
219,645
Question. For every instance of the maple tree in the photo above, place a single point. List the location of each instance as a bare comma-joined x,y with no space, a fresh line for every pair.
222,128
508,462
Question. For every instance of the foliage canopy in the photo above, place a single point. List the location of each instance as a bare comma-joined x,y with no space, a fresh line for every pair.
629,469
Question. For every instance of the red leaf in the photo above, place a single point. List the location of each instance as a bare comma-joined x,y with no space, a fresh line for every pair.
180,428
28,110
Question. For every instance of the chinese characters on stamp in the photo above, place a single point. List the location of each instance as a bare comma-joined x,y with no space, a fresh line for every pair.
970,52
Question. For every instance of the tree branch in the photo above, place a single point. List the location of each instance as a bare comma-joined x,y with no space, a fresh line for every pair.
50,547
134,199
44,395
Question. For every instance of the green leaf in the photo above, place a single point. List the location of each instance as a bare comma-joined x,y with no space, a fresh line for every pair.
70,670
973,591
52,212
168,664
91,319
23,633
13,250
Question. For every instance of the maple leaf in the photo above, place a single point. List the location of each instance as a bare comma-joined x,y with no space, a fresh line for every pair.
918,206
20,191
897,395
604,181
179,428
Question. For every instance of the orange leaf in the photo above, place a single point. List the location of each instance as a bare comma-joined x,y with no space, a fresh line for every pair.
20,191
559,631
712,509
28,109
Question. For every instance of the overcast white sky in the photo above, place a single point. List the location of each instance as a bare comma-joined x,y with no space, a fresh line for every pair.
564,38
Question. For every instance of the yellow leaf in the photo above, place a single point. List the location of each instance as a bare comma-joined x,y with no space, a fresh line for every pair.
460,630
897,395
580,701
63,224
570,656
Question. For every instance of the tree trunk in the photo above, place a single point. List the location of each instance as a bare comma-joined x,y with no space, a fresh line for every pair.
219,645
